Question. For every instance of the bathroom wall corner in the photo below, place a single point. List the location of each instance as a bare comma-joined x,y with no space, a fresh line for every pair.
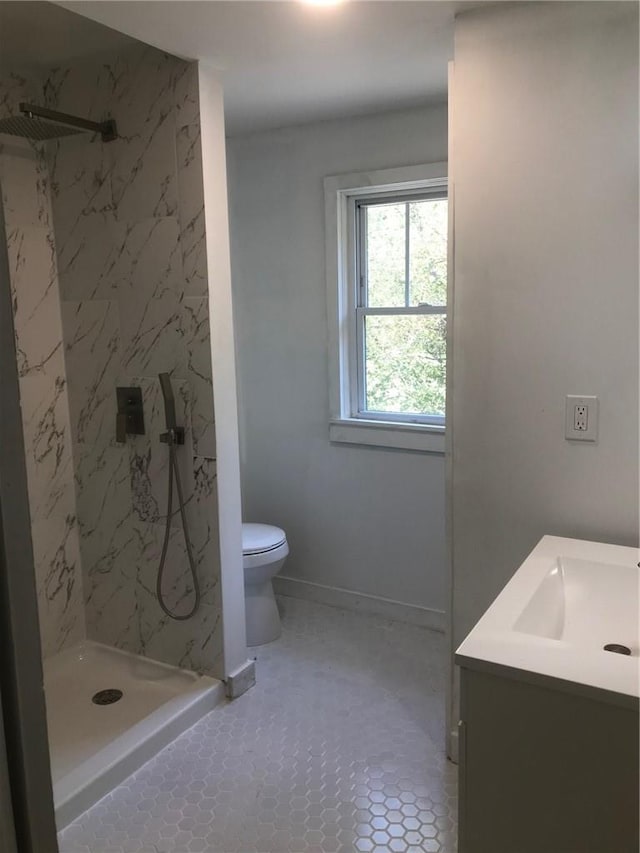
223,368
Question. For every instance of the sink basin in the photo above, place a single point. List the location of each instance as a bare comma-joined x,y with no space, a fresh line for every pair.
567,601
585,603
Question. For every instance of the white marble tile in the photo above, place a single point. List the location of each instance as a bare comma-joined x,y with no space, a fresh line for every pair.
197,341
14,88
144,173
82,88
104,491
186,94
177,584
205,652
120,244
143,83
136,172
36,305
47,440
56,554
111,558
148,272
202,650
92,357
43,188
203,518
192,643
88,258
144,176
24,179
43,391
80,171
149,457
197,643
109,545
191,210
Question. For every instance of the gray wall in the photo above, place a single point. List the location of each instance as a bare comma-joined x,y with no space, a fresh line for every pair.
362,518
545,165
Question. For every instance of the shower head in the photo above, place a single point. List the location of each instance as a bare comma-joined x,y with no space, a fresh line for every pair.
34,128
41,124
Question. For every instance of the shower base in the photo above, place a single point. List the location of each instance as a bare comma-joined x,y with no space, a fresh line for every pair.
94,747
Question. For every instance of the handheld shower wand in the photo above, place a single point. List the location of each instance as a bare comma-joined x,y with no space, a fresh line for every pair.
174,436
169,400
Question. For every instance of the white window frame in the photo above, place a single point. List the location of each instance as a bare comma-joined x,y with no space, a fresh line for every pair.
346,424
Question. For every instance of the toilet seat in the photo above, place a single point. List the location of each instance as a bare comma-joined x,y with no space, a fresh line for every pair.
261,538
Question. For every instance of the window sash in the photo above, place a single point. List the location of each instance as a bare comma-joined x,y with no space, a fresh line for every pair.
396,197
362,310
361,208
359,404
422,308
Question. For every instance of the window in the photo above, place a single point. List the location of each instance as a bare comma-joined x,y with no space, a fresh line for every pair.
401,305
387,289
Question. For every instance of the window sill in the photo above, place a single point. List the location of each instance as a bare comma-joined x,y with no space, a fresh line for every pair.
399,436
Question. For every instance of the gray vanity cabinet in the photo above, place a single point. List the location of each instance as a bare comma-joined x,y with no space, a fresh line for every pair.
544,768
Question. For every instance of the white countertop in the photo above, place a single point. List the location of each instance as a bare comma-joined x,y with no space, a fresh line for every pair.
566,601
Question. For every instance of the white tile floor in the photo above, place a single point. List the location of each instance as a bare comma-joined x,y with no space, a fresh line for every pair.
339,747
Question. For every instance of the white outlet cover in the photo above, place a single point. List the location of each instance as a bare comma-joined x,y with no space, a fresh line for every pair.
591,405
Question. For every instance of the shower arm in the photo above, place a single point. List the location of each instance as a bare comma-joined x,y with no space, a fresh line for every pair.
107,129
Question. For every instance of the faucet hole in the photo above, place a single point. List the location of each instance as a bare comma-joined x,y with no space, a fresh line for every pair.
618,648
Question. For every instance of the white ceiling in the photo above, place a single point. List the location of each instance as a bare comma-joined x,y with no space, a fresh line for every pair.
282,62
289,63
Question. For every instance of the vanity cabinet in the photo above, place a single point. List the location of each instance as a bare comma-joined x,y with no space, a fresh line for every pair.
544,766
549,746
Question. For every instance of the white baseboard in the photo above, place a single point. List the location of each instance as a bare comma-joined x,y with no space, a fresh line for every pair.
348,600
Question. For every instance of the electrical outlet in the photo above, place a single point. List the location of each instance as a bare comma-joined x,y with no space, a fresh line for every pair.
581,418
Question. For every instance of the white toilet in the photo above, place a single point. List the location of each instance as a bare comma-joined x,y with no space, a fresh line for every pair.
264,550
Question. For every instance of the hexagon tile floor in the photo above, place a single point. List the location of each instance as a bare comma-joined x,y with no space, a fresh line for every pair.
339,747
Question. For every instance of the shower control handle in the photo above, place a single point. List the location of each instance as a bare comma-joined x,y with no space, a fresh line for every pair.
130,415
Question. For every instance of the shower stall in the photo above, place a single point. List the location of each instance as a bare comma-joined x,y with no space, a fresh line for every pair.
102,195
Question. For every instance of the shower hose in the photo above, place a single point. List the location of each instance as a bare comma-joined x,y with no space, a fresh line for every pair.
173,469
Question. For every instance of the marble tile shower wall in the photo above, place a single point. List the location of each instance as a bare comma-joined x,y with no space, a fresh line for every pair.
129,225
43,385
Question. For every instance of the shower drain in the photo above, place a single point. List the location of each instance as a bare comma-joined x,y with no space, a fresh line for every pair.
107,697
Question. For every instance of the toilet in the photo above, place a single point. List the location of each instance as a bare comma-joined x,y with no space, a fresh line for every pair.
264,550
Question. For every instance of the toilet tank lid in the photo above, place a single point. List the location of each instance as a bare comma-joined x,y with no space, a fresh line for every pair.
261,537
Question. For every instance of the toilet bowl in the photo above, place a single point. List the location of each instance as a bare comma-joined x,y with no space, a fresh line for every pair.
264,550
